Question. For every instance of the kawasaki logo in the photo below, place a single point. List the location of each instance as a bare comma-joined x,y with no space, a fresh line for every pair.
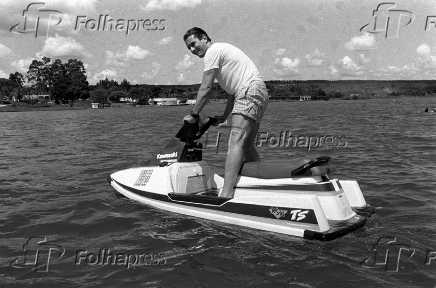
295,215
277,212
165,156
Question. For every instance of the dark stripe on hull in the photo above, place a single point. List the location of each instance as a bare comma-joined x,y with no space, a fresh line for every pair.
291,215
199,199
322,187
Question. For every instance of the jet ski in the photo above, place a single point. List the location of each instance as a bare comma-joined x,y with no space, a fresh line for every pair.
294,197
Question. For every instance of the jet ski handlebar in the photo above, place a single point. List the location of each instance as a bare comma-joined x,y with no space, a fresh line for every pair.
193,131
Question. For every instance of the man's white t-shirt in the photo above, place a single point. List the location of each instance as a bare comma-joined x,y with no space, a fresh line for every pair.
235,69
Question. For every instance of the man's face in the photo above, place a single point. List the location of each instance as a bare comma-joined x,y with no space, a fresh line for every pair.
196,46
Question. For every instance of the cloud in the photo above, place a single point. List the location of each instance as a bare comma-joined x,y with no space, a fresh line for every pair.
393,69
347,67
185,63
286,66
181,77
165,41
4,50
155,68
59,46
424,68
114,58
363,42
389,71
425,61
121,57
3,74
136,53
65,6
280,51
333,70
8,2
290,64
76,6
348,64
73,7
22,65
410,68
170,4
106,73
406,72
423,50
363,59
316,58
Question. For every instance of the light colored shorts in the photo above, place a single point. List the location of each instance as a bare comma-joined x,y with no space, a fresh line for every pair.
252,101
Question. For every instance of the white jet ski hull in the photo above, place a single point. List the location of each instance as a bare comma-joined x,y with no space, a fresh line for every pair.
303,206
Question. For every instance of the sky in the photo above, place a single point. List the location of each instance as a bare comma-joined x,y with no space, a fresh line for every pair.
142,40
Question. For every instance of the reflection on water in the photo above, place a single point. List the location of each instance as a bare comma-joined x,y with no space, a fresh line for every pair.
53,168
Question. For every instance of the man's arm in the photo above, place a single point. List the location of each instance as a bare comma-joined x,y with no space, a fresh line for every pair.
205,90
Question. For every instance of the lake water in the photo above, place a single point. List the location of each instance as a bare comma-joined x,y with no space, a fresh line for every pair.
55,199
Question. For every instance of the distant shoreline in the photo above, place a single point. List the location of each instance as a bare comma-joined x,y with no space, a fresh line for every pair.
43,107
83,105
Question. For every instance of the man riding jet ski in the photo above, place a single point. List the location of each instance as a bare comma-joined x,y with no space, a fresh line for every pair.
291,197
247,98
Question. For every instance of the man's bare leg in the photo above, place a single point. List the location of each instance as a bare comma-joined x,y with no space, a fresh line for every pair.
240,135
251,154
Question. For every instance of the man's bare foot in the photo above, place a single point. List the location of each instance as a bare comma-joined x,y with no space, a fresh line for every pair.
222,194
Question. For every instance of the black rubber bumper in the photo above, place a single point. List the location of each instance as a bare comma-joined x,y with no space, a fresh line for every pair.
339,229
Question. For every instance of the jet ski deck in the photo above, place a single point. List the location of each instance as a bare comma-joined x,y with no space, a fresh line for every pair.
298,199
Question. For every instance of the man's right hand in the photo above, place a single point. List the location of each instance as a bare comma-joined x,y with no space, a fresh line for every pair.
222,121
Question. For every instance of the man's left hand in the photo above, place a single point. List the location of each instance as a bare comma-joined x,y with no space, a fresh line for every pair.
190,119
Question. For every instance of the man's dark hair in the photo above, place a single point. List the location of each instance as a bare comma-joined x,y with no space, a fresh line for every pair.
197,32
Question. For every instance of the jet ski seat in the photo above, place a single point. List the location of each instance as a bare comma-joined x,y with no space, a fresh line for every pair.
272,169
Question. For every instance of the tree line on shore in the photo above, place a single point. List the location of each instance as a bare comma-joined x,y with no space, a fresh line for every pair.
66,82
